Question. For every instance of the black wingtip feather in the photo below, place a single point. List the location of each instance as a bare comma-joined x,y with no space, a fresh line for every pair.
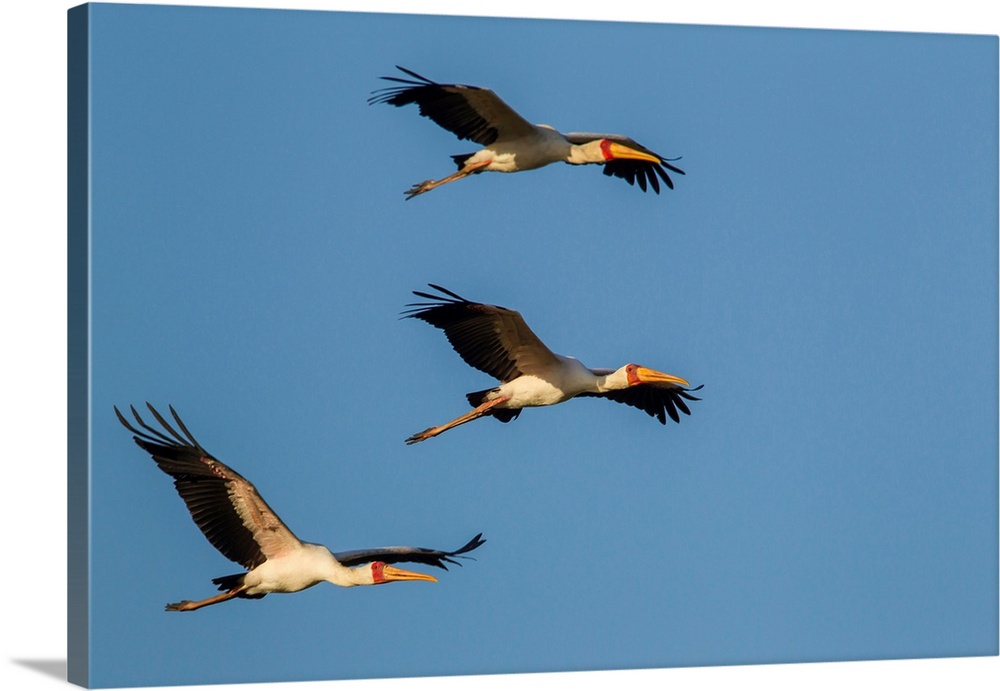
447,292
183,427
413,74
643,173
472,544
657,402
417,309
653,180
164,423
150,435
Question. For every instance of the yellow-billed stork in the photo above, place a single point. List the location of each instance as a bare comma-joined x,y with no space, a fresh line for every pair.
513,144
240,524
497,341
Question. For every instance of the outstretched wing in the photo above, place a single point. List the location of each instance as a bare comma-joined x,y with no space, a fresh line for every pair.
421,555
632,171
656,401
224,504
468,112
493,339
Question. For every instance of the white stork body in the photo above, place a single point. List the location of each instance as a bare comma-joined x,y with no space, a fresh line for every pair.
497,341
298,569
511,143
539,148
571,378
240,524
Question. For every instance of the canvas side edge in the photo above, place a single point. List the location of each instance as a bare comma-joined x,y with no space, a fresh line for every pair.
78,345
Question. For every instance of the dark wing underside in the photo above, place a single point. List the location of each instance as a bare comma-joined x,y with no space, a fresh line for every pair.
493,339
212,492
468,112
643,172
418,555
656,401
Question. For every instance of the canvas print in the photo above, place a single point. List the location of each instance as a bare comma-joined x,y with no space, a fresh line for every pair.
299,239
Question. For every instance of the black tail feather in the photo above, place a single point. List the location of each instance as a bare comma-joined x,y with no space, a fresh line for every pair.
460,160
227,583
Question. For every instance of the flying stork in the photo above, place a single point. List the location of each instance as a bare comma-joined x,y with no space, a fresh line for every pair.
511,143
497,341
240,524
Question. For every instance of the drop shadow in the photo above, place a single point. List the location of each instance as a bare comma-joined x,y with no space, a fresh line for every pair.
50,668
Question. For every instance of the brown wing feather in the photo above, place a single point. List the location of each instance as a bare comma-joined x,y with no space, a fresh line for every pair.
493,339
656,401
224,504
468,112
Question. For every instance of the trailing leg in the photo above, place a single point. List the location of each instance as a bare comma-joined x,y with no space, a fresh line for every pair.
475,413
188,605
428,185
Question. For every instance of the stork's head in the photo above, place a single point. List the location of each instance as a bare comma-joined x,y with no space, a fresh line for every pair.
380,572
606,150
612,151
637,374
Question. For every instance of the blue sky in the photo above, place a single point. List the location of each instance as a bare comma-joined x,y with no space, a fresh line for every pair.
827,269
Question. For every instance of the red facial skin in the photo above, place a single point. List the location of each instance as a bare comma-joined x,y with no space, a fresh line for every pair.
606,150
377,571
632,378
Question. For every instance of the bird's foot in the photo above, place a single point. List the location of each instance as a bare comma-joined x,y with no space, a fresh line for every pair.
420,188
421,436
181,606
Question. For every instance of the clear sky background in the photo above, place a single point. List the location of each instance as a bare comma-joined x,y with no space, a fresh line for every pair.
827,269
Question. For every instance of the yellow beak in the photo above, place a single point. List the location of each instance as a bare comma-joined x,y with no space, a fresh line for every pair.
652,376
621,151
391,573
